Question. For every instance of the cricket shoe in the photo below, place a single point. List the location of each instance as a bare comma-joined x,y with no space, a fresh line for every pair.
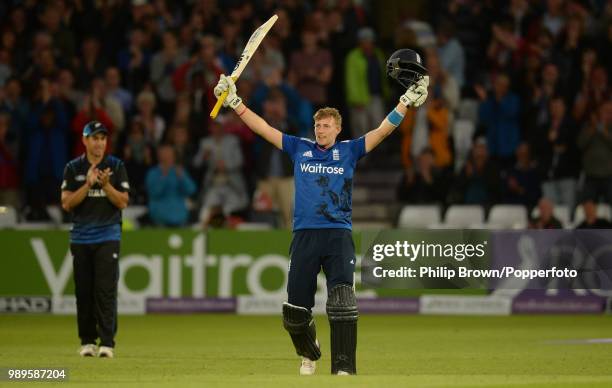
308,366
87,350
106,352
343,373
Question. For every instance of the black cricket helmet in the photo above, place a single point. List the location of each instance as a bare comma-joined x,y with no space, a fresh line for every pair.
406,67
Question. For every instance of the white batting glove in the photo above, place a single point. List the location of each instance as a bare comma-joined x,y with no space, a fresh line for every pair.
424,81
416,94
227,84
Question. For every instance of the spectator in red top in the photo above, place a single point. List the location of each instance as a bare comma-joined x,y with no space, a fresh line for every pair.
91,110
9,180
204,61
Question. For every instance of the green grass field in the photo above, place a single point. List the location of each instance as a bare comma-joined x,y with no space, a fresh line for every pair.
249,351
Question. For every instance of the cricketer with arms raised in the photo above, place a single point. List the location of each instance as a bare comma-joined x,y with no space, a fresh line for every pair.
322,238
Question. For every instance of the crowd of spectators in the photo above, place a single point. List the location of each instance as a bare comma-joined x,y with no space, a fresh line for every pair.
539,71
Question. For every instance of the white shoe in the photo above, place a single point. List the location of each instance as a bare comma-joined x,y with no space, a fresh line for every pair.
308,367
343,373
105,351
87,350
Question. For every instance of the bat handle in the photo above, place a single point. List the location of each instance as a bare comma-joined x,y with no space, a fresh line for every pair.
217,108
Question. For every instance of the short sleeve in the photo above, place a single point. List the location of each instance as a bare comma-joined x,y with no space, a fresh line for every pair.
69,182
123,184
358,147
290,144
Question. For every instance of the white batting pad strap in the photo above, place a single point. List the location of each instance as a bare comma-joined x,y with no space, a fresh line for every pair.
295,307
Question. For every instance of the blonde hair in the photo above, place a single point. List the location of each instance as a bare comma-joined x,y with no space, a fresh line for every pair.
145,95
328,112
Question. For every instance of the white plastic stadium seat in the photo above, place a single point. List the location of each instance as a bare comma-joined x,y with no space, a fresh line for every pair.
8,217
563,214
36,225
419,216
251,226
507,217
603,211
132,213
463,216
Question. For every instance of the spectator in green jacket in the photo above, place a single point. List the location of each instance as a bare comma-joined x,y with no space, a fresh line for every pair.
365,83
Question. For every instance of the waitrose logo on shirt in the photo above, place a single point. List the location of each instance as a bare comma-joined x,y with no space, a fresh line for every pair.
321,169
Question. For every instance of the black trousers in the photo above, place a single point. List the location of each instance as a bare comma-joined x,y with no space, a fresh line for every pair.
594,188
313,249
96,273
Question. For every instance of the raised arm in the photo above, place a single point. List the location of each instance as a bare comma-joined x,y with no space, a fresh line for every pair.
415,96
260,126
250,118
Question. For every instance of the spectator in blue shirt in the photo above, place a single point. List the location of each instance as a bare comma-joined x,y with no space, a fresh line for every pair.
450,50
499,114
168,187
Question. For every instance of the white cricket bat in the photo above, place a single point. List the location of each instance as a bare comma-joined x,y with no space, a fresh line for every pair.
245,57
